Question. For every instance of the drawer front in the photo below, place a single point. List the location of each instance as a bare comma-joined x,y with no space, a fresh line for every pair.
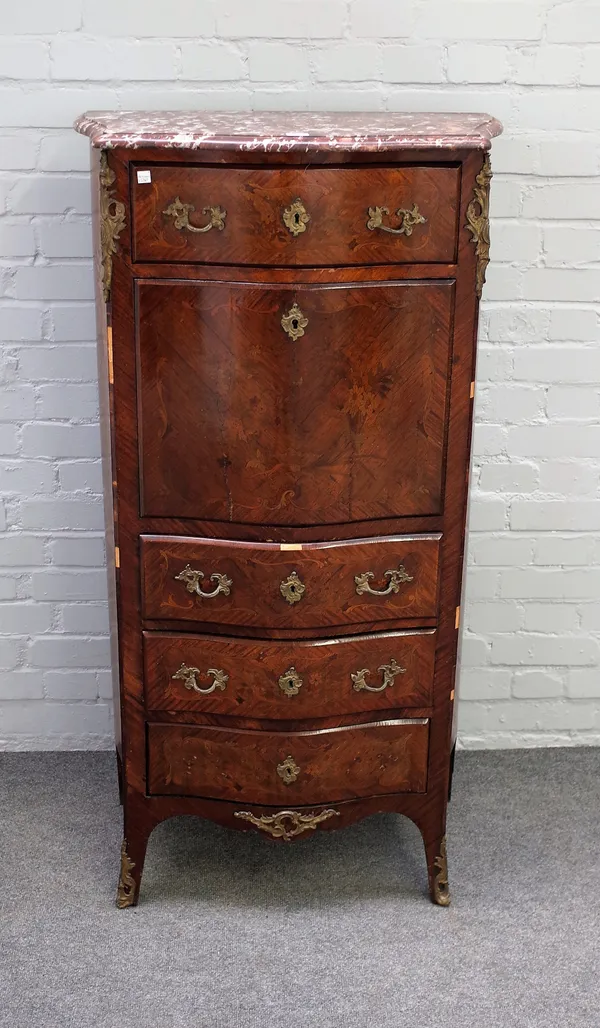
293,216
270,586
288,680
292,768
285,405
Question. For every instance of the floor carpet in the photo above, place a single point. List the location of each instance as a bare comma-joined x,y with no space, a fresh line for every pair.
335,932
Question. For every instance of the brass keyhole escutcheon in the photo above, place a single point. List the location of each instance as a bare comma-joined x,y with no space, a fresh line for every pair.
296,217
292,589
288,770
290,682
294,322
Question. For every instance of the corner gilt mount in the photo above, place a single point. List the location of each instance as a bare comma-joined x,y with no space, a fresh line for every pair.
478,221
112,222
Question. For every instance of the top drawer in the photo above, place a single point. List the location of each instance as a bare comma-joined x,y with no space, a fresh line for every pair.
296,216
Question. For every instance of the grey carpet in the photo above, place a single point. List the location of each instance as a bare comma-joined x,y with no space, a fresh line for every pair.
335,932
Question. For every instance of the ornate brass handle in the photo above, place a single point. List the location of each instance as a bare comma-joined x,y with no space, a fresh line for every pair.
296,217
292,589
290,682
389,673
288,770
180,212
287,823
192,582
408,220
187,675
294,322
396,578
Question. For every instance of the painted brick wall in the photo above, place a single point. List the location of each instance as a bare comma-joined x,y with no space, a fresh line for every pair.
532,622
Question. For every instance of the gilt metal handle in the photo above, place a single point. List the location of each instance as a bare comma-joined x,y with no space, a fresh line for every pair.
180,212
408,220
288,770
396,578
192,582
187,675
296,217
359,678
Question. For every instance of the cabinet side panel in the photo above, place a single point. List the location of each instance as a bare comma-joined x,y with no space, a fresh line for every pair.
126,476
106,426
457,475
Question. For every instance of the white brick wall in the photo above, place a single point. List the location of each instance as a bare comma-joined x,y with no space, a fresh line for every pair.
531,638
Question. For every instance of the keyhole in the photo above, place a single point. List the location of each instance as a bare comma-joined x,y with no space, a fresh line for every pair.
297,218
294,323
291,683
293,588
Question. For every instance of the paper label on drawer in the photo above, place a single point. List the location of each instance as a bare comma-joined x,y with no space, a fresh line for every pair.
144,176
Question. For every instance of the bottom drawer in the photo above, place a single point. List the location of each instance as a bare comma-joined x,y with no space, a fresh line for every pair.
322,766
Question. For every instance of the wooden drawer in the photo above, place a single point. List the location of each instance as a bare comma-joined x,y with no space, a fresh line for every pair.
341,422
283,767
269,585
288,679
244,213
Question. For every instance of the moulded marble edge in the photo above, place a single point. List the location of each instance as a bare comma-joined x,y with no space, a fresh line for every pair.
283,131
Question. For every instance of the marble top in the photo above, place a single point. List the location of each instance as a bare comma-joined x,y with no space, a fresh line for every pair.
282,131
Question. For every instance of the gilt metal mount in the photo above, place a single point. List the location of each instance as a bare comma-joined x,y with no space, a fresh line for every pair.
288,770
408,220
180,213
296,217
396,578
290,682
126,888
112,222
478,221
192,579
187,675
294,322
292,588
359,678
441,888
287,823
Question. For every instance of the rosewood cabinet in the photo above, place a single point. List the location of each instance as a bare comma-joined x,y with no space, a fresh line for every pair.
288,325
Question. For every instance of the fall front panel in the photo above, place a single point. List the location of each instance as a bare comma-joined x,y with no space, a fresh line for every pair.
292,405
